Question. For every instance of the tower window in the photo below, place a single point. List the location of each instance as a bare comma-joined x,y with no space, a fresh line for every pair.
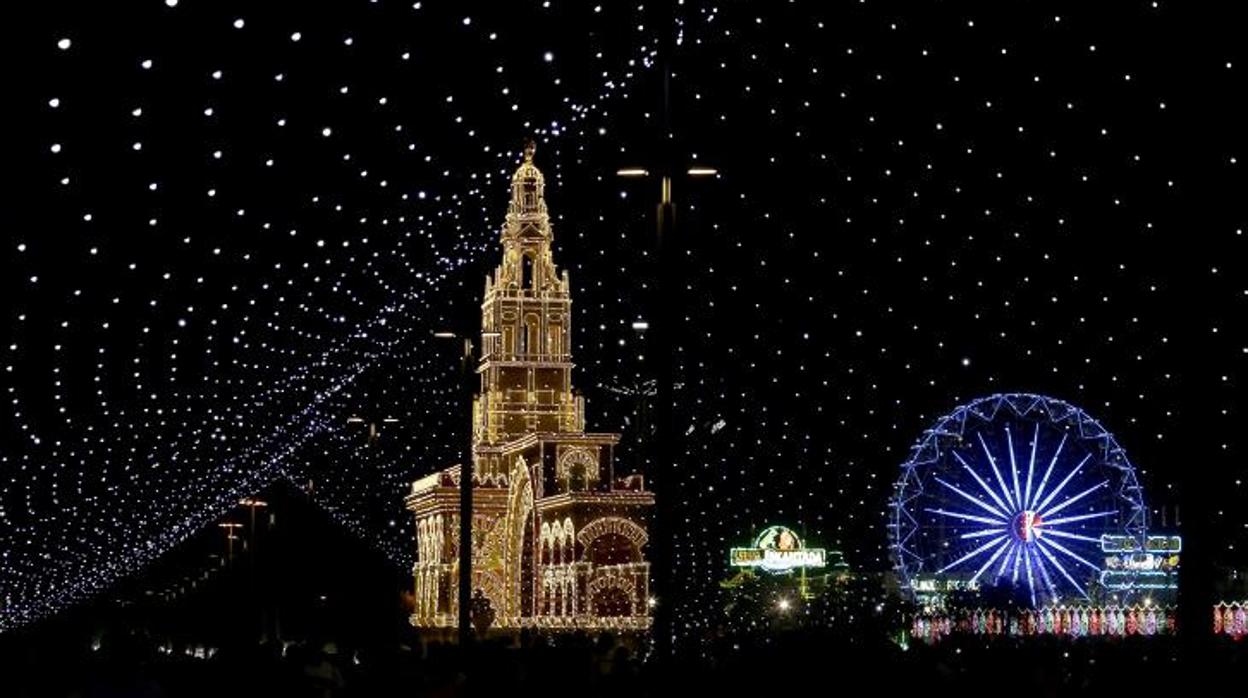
526,272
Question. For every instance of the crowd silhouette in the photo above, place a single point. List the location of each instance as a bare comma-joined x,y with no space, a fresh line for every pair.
134,665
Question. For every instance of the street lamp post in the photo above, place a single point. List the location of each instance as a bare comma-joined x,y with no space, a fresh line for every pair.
252,503
467,361
229,527
660,328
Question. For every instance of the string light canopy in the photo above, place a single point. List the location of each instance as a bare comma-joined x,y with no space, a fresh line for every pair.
234,230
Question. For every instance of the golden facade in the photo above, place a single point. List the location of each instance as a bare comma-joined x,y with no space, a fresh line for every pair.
558,539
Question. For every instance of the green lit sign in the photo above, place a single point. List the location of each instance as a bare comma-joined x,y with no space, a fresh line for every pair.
778,549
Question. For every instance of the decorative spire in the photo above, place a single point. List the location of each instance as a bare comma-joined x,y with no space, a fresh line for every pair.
528,186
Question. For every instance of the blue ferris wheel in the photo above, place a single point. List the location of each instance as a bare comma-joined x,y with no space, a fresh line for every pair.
1014,491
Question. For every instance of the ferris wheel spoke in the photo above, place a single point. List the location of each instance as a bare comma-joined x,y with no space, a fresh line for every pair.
1078,517
1068,552
1031,583
1072,500
1009,443
1005,559
990,509
966,517
1031,466
1048,471
983,533
1073,536
1058,565
971,554
1061,485
996,471
1005,545
980,480
1048,581
1017,559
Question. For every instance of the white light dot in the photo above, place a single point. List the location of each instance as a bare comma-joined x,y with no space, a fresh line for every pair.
54,102
548,56
64,44
147,64
296,36
467,21
171,3
239,23
326,131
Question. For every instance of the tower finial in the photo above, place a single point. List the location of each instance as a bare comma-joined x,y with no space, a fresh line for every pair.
529,148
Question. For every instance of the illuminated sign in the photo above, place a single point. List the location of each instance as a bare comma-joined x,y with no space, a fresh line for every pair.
778,549
1128,565
1152,544
1138,579
1142,561
1163,544
943,584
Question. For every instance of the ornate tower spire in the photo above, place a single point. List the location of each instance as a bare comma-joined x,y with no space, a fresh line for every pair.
526,368
528,188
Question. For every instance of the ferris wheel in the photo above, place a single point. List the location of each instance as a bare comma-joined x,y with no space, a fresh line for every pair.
1014,491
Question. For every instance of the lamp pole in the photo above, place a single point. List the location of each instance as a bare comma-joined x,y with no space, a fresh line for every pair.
252,503
660,330
662,323
465,513
467,361
229,527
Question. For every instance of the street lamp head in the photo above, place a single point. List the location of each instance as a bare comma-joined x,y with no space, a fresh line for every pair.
491,335
444,334
702,171
632,172
641,325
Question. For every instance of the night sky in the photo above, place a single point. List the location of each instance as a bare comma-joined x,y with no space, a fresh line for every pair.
230,226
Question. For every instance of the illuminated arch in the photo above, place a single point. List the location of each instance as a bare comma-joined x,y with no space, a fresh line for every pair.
577,462
612,524
601,587
519,506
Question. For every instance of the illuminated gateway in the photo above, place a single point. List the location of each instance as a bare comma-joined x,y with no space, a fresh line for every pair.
558,540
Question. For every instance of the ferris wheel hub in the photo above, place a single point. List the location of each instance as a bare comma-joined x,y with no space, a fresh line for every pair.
1028,526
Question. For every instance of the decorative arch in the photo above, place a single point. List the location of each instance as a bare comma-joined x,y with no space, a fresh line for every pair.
613,595
519,509
577,466
531,334
569,540
612,525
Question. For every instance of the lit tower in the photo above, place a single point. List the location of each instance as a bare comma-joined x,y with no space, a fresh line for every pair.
558,540
526,317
